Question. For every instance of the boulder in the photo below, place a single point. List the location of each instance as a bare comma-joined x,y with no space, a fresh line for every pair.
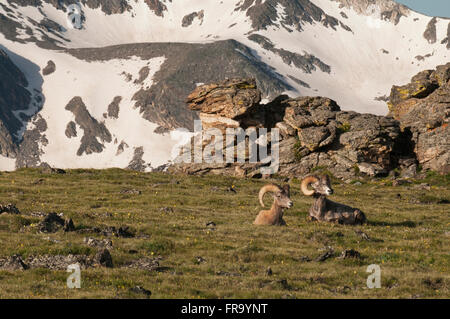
308,111
213,121
316,137
54,222
231,98
51,223
103,258
104,243
9,209
371,169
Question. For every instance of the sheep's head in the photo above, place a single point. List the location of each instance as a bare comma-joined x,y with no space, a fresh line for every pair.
280,195
319,184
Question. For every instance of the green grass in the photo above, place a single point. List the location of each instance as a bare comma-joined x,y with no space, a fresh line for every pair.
409,229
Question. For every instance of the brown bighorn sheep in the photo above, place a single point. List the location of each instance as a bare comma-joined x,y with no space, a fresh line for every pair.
324,209
281,200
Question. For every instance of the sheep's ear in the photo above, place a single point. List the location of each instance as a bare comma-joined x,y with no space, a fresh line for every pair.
287,189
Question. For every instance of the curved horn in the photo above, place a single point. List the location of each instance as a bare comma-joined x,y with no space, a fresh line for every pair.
306,182
267,188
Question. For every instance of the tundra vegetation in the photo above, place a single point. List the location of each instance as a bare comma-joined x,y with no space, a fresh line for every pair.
193,237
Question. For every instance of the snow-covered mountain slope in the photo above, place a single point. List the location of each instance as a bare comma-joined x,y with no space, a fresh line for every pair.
108,92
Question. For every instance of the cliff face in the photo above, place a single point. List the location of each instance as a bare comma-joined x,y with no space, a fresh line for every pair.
316,134
13,97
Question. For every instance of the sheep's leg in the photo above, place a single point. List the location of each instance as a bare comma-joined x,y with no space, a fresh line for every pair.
332,217
360,218
318,211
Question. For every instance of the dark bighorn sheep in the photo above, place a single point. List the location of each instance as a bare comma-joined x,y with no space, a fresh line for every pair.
324,209
274,216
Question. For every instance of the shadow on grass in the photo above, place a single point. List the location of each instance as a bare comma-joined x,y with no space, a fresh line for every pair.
407,223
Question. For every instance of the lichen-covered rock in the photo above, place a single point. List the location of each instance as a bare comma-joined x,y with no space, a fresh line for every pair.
316,137
308,111
230,99
423,108
219,122
421,85
367,138
58,262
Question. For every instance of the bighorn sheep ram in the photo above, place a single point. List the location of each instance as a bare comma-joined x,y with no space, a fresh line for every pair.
324,209
281,200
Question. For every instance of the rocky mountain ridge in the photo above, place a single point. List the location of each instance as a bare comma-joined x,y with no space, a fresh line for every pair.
135,61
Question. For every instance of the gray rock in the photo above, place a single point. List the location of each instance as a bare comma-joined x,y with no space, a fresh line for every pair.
9,209
141,290
409,171
287,150
371,169
93,130
69,225
13,263
230,99
189,18
286,130
71,129
350,253
103,258
315,137
430,31
137,163
307,62
149,264
390,10
422,107
50,68
51,223
58,262
113,108
97,243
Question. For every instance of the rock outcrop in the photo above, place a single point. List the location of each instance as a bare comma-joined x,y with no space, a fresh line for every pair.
231,98
389,10
314,132
423,108
93,130
49,68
